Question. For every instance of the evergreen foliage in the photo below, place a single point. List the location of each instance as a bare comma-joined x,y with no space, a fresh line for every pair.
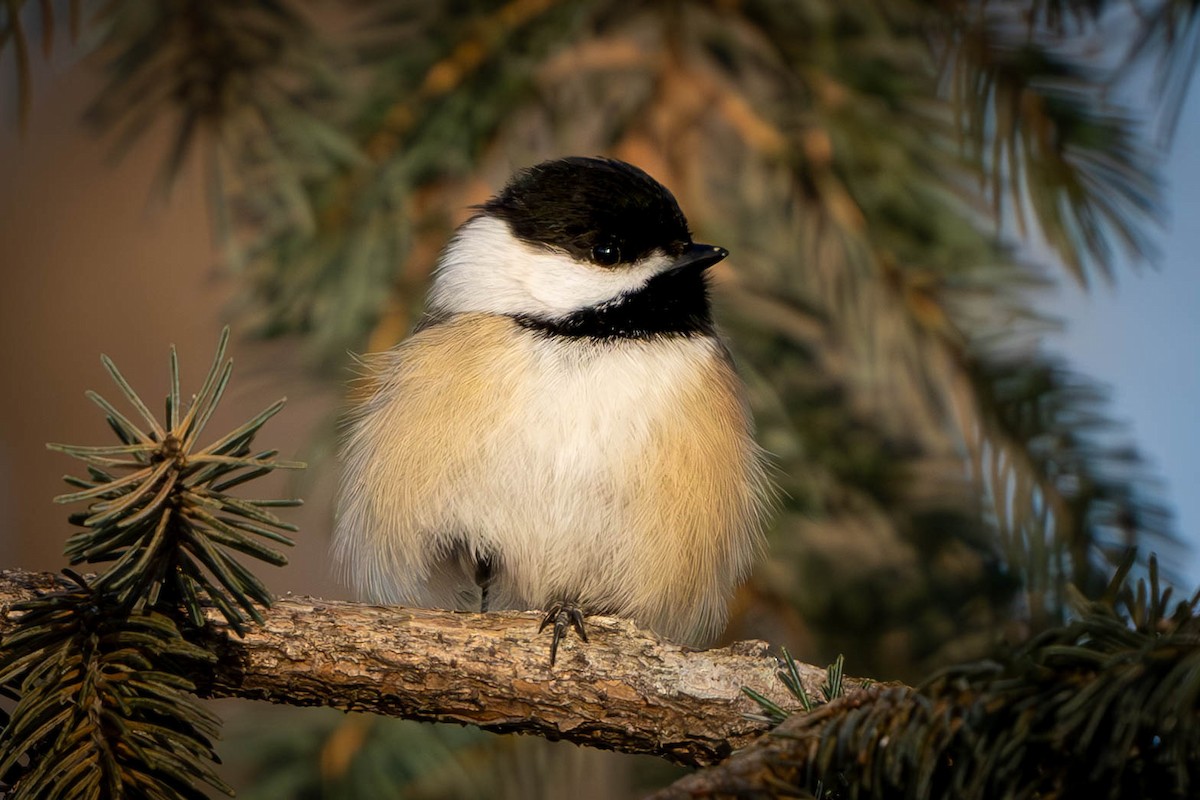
1105,706
832,689
102,709
167,522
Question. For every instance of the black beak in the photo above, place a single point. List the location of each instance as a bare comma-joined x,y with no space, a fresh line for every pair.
699,257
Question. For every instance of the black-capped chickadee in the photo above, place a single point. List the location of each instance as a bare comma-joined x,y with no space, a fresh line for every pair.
565,430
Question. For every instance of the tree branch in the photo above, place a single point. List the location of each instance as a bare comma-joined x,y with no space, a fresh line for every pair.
783,759
624,690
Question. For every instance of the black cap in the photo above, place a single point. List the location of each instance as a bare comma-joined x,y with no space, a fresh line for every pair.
596,209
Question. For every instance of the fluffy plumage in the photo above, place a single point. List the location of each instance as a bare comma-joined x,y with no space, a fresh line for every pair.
610,466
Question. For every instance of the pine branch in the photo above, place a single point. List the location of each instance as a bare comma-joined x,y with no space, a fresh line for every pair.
1038,118
101,709
1107,706
1070,500
102,712
167,523
624,690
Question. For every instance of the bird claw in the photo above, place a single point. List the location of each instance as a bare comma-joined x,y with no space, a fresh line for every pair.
564,616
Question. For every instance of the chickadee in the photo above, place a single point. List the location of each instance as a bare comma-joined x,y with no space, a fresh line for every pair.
565,430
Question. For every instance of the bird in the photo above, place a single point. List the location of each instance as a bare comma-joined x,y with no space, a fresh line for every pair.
564,430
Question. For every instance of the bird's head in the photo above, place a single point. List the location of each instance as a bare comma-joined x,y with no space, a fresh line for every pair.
582,245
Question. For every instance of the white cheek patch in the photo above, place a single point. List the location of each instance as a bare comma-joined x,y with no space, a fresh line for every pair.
487,269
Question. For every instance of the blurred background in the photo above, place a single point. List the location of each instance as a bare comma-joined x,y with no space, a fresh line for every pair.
915,196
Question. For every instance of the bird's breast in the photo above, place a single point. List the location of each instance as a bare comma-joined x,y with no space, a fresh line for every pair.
596,406
619,472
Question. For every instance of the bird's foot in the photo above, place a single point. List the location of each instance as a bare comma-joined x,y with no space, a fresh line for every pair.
485,573
563,616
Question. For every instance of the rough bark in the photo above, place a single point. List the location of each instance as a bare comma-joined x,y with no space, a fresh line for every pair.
784,759
624,690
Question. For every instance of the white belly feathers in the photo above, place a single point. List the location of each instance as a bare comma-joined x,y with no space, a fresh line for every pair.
555,458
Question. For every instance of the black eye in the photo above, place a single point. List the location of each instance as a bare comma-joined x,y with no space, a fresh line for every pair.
606,254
